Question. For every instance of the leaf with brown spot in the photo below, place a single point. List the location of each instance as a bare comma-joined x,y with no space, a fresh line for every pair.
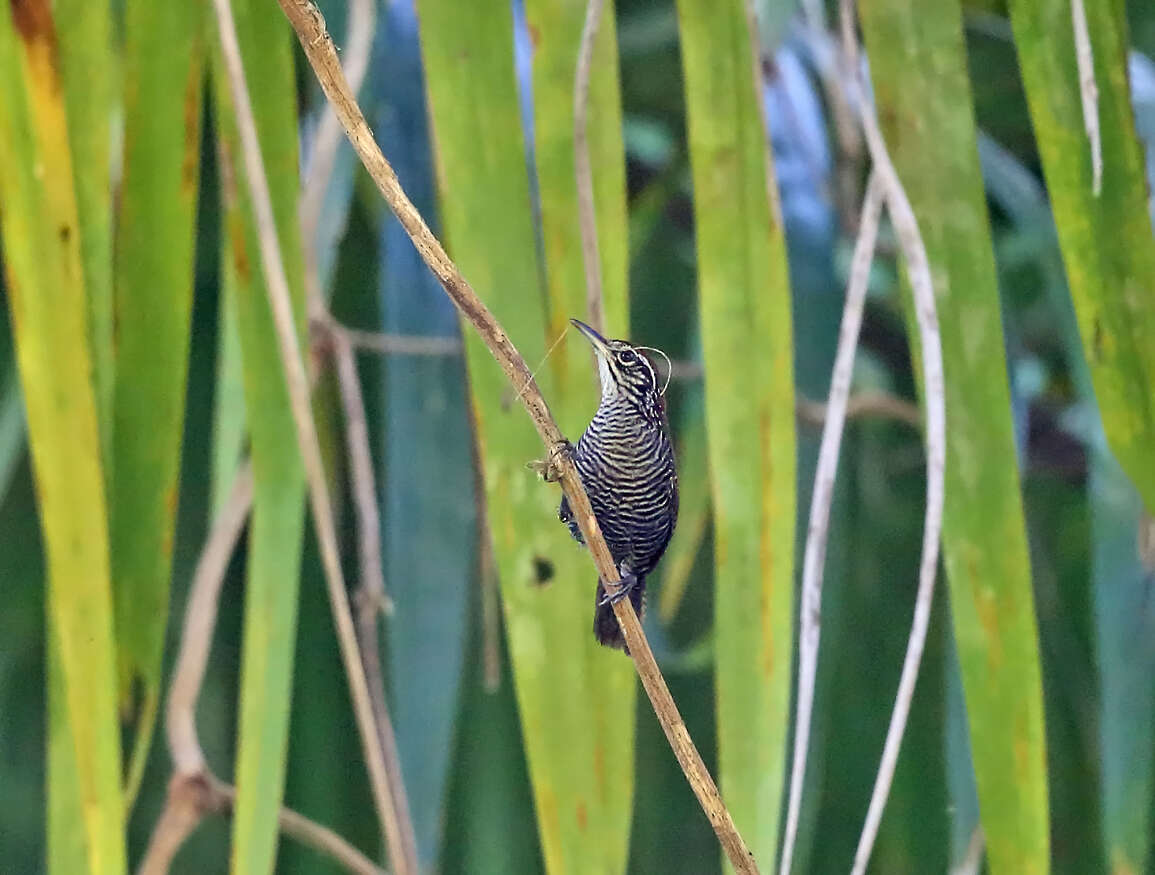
573,695
47,299
164,69
1105,237
919,72
275,537
33,21
747,339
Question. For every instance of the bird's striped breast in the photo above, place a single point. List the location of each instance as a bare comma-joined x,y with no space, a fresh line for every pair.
626,463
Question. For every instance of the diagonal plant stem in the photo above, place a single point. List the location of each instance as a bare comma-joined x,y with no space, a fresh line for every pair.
277,287
358,44
320,838
860,405
819,527
194,791
309,24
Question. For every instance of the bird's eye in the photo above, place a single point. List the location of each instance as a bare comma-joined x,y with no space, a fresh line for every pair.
627,357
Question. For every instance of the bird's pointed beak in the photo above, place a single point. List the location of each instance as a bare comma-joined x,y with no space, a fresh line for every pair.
596,340
602,349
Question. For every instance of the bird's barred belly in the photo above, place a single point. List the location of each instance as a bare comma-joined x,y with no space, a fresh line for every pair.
634,537
632,491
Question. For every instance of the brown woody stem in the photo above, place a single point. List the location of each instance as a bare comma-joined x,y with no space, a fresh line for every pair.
309,25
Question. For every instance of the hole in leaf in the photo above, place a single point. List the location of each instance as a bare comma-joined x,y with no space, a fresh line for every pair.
542,570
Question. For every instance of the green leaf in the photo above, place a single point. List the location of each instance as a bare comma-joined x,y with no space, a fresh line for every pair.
229,430
274,558
67,849
1125,656
490,803
859,665
1105,238
575,697
322,783
428,491
744,296
658,267
25,729
556,29
914,835
962,794
804,166
920,79
11,412
1062,521
693,508
1083,774
556,26
88,70
164,82
49,310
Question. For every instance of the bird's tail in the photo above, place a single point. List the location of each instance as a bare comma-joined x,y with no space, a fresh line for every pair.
606,628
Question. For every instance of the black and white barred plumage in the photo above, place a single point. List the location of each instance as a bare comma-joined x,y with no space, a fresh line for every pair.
625,459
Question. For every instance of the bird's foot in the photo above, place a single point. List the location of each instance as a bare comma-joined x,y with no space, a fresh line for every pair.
624,587
550,469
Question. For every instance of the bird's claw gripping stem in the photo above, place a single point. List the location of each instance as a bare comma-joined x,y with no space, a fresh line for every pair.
623,588
548,469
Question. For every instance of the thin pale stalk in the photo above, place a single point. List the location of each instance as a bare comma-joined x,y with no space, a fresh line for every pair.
819,529
309,25
363,482
191,799
371,597
297,381
199,621
926,316
864,405
402,344
183,811
313,835
358,44
860,406
187,804
194,792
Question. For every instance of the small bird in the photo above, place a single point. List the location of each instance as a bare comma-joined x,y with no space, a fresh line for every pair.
625,459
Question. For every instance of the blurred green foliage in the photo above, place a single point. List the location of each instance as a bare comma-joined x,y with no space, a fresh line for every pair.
483,766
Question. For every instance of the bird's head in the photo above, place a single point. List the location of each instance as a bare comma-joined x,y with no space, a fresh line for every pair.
623,368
